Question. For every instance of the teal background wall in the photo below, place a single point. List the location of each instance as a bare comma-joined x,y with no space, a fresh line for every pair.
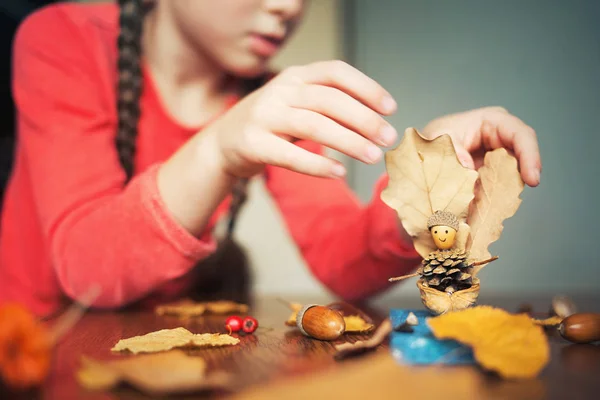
538,58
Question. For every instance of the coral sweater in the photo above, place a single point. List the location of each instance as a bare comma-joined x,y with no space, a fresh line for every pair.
68,221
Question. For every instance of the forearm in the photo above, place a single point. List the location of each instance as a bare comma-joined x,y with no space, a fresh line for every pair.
192,183
128,243
153,231
355,253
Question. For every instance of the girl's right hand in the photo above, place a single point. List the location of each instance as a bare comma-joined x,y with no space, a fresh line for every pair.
330,103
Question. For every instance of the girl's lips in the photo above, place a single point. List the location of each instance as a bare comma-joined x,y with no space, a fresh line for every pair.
264,46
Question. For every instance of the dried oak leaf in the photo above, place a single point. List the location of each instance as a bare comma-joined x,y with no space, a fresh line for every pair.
161,373
425,176
496,198
356,324
347,349
295,307
189,308
512,345
167,339
551,321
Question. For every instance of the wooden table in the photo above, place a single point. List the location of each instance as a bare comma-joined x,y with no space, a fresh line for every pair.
278,362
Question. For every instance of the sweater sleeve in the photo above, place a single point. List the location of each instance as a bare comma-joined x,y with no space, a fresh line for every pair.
352,248
97,230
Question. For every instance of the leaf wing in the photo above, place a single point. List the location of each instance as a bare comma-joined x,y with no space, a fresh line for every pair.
426,176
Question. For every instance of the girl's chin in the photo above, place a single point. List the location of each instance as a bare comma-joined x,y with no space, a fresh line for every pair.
250,67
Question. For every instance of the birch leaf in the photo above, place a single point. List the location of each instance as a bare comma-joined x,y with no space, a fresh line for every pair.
497,198
425,176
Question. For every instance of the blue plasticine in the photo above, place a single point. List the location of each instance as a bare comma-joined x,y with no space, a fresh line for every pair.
421,347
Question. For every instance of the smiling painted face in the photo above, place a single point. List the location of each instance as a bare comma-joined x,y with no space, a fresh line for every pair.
443,226
443,236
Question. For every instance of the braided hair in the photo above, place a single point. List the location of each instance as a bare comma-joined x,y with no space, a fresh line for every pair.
225,274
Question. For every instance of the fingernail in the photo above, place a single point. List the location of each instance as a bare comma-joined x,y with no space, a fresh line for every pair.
536,175
388,104
388,135
373,153
338,170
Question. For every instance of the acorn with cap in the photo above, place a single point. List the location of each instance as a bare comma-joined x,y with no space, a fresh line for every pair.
443,226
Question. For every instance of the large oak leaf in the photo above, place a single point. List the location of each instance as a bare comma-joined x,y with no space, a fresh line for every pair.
425,176
496,199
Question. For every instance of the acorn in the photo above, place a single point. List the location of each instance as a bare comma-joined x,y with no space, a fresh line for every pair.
581,328
320,322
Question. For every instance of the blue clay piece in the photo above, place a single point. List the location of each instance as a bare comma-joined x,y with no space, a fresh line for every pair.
421,347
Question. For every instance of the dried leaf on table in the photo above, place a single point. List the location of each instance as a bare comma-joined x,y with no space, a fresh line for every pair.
189,308
425,176
295,307
161,373
512,345
167,339
350,349
496,199
551,321
356,324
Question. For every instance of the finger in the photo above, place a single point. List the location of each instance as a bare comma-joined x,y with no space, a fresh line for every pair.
281,153
512,133
346,110
348,79
310,125
464,157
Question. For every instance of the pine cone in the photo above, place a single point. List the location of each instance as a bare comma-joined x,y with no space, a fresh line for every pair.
446,270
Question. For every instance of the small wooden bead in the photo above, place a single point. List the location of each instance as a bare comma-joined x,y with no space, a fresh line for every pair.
581,328
320,322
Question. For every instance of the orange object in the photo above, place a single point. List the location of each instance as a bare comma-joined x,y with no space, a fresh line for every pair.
25,348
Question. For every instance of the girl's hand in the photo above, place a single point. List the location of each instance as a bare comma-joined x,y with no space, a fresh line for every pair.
476,131
330,103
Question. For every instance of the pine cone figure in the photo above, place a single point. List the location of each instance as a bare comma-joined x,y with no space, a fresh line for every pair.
446,270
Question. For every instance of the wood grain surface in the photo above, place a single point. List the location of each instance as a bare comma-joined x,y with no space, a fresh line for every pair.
278,362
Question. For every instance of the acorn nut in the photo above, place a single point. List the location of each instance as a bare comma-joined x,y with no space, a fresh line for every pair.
581,328
320,322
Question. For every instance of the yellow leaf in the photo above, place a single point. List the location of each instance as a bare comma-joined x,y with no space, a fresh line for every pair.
496,198
425,176
512,345
167,339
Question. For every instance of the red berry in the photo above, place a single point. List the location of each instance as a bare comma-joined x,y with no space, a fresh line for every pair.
250,324
233,323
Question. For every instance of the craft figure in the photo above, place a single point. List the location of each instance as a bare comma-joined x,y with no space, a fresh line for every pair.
452,214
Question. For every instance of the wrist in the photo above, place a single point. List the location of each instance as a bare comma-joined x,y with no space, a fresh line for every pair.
193,182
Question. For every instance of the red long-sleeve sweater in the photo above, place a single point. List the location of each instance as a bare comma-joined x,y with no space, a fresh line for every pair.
68,222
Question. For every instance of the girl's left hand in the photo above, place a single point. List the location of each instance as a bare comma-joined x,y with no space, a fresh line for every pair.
477,131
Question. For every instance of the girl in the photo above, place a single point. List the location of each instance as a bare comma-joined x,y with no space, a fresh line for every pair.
139,124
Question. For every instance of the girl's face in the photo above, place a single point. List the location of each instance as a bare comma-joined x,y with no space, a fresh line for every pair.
238,35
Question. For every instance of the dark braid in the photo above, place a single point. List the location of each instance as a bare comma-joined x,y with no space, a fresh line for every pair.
225,274
130,80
